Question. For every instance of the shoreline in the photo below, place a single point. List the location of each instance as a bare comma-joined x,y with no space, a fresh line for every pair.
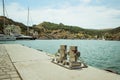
110,70
36,65
52,55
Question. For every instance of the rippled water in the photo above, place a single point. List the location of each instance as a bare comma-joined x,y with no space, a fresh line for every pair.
97,53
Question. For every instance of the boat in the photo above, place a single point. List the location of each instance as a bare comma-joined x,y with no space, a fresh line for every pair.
23,37
26,37
6,37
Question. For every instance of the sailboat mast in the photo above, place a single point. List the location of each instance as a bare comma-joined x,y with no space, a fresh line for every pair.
28,21
3,14
3,7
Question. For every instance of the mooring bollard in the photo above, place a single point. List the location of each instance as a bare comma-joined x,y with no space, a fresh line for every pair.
63,53
68,59
74,54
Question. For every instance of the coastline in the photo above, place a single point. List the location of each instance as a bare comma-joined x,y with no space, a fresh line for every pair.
32,64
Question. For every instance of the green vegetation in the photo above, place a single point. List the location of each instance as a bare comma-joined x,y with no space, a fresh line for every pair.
53,26
11,22
60,31
48,30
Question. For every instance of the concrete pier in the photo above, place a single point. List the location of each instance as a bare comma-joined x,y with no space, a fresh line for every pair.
7,68
30,64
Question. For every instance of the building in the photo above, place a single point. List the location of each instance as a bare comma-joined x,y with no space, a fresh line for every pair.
12,30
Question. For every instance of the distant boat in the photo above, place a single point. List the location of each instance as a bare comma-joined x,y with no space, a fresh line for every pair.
6,37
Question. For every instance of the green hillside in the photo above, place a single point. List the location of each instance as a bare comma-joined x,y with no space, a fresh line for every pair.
11,22
48,30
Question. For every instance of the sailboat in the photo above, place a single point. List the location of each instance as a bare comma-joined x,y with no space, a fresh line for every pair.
24,37
4,36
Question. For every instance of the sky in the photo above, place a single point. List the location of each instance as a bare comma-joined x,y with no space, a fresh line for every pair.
90,14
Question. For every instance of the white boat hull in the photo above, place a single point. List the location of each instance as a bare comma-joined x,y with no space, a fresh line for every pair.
7,38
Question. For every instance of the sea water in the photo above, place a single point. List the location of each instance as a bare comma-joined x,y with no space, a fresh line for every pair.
97,53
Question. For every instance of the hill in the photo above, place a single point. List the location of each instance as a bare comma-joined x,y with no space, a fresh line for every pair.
48,30
11,22
113,34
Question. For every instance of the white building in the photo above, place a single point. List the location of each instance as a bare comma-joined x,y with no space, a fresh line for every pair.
12,30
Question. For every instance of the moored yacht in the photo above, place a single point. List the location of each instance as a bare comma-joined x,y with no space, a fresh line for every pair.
23,37
6,37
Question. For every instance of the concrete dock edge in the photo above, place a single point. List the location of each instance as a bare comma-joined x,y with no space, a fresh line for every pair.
32,64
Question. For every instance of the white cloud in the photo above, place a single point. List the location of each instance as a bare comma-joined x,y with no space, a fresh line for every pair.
83,16
87,17
86,1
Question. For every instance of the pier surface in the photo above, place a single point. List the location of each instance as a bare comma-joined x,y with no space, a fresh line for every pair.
19,62
7,68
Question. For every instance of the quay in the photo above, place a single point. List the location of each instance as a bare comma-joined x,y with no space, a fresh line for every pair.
18,62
